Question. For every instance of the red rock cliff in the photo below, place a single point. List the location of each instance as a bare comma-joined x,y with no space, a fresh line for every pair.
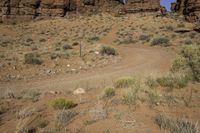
189,8
21,10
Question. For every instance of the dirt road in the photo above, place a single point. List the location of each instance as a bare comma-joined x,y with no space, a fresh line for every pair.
136,60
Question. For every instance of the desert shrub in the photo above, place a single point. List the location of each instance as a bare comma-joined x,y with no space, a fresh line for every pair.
108,50
109,92
173,81
151,83
188,61
26,112
27,130
54,56
62,103
64,117
31,95
67,46
181,25
188,42
144,38
30,40
93,38
89,122
169,27
124,37
124,82
32,58
43,123
4,107
192,35
154,97
176,125
162,41
132,94
99,112
75,44
42,40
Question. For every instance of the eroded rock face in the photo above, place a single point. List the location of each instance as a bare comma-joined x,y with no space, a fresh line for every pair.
22,10
189,8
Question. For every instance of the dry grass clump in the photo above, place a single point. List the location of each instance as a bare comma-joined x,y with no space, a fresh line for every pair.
124,82
62,103
176,125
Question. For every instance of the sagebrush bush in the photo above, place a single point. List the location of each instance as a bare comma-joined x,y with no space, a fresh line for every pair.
173,81
124,82
32,58
162,41
188,61
176,125
109,92
62,103
108,50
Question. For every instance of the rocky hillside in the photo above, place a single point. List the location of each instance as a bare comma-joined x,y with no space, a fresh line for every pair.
189,8
21,10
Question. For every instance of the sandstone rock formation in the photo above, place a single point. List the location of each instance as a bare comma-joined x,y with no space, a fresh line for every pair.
22,10
189,8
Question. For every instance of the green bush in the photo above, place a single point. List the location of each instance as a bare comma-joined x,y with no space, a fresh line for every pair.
109,92
108,50
162,41
188,61
62,103
32,58
124,82
173,81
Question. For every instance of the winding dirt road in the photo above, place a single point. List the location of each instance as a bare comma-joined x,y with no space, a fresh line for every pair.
136,60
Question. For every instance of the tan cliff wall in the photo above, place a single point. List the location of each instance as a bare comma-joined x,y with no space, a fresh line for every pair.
22,10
